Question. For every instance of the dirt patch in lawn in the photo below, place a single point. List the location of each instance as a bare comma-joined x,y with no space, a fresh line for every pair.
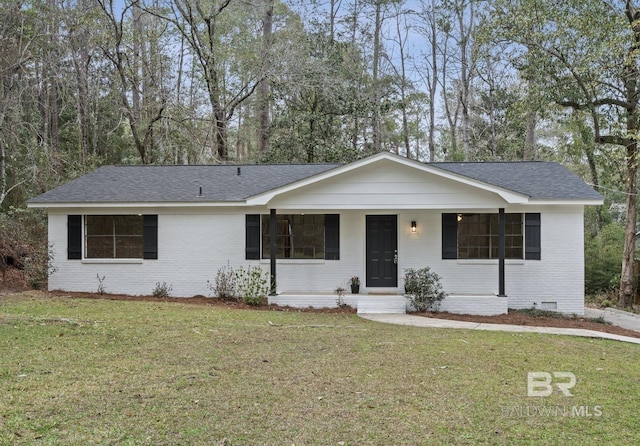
516,317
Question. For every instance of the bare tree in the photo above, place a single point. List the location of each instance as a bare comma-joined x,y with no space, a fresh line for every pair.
404,83
131,66
264,85
200,25
15,54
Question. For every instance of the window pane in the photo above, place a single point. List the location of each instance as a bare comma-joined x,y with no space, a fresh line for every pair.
298,236
99,224
128,247
478,236
99,247
113,236
128,224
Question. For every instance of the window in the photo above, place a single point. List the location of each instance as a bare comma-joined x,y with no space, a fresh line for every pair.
114,236
298,236
476,236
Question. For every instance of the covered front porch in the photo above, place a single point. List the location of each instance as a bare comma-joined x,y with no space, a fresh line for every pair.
477,304
382,216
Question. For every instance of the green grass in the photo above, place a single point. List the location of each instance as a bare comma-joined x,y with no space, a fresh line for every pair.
80,372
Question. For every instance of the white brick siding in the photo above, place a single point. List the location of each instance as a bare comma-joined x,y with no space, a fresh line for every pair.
194,244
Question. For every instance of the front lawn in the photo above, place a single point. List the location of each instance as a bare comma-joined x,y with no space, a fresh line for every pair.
76,371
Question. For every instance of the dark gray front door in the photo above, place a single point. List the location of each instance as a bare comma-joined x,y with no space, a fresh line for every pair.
382,250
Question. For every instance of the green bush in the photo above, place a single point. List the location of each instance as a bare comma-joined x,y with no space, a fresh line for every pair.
603,257
423,289
252,284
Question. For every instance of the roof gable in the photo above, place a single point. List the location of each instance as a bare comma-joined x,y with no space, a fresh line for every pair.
386,184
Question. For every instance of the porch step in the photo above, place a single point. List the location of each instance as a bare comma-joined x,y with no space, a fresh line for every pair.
382,304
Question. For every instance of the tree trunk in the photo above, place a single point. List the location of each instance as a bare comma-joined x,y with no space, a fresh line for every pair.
375,119
631,80
626,277
433,86
264,86
451,113
355,135
3,168
403,87
466,29
530,138
81,66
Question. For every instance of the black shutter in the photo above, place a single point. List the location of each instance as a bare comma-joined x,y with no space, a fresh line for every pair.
532,243
449,236
150,236
332,237
252,247
74,237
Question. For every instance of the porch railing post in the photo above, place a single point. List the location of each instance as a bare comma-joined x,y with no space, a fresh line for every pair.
501,251
272,250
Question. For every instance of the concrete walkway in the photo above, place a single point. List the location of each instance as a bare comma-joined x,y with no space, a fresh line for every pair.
419,321
620,318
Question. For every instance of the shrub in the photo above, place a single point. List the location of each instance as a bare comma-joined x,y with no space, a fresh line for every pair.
23,244
38,266
252,284
423,289
162,290
225,285
603,254
101,288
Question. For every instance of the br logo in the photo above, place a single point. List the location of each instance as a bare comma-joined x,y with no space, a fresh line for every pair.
541,383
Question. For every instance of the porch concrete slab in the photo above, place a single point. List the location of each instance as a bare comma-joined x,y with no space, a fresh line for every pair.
617,317
390,304
419,321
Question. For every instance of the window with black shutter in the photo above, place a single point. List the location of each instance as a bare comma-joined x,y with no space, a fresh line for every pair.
532,241
298,236
150,236
252,239
449,236
113,236
74,237
476,236
332,237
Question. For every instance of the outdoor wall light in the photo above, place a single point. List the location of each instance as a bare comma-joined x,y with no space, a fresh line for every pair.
413,226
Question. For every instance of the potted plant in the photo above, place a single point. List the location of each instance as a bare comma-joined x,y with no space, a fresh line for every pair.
354,283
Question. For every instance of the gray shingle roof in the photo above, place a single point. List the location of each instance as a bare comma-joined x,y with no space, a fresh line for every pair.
539,180
221,183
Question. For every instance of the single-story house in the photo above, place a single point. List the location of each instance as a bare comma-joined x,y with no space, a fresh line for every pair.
500,234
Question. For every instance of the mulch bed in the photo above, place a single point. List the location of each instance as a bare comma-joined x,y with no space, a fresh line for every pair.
520,318
14,282
203,300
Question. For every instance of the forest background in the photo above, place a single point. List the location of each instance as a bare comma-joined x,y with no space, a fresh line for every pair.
84,83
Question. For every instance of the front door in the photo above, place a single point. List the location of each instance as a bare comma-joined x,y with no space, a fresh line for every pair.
382,251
